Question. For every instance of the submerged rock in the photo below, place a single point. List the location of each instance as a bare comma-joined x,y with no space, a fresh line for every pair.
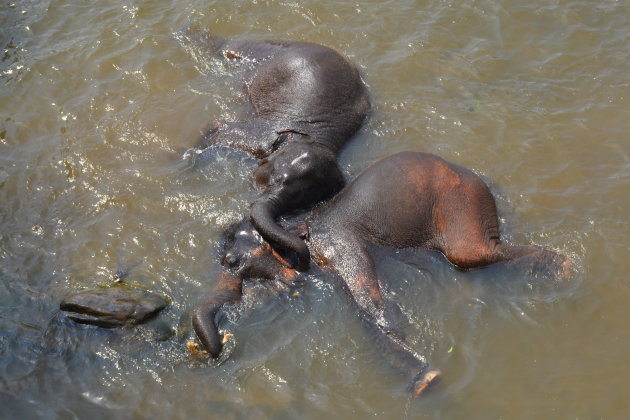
114,306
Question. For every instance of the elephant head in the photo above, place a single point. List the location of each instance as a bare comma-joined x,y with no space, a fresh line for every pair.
246,257
297,176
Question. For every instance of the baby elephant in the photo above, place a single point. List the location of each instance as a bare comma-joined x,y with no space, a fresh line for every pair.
407,200
306,101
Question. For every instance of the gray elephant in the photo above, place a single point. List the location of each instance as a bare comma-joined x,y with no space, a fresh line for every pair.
413,201
306,100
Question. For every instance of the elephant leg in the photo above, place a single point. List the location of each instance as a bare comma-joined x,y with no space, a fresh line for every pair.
207,137
470,238
255,136
199,38
252,51
534,258
400,355
227,290
243,50
359,275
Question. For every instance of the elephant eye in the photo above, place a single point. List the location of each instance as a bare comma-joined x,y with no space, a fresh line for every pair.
280,140
230,260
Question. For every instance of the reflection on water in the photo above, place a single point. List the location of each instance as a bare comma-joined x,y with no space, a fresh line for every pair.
98,102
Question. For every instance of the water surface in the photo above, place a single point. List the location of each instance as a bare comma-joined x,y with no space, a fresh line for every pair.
99,99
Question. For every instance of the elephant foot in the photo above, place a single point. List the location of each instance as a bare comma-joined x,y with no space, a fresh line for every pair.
556,265
424,380
564,271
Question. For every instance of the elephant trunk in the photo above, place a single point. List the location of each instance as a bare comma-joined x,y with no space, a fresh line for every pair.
263,216
227,290
206,329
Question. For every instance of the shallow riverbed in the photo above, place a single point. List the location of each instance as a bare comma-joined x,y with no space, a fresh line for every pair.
98,100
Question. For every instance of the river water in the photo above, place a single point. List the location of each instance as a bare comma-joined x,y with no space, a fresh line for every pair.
98,100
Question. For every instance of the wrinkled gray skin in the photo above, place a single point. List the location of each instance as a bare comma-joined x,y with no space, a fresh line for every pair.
307,100
412,201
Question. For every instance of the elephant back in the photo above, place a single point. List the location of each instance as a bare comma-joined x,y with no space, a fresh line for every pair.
311,89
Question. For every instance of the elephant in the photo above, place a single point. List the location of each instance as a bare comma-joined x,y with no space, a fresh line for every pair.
306,101
409,200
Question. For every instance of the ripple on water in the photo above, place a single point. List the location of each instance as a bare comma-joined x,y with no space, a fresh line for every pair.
98,103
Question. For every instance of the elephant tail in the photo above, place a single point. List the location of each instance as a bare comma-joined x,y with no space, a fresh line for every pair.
200,40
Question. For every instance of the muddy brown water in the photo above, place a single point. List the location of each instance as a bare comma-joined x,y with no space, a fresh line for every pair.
99,99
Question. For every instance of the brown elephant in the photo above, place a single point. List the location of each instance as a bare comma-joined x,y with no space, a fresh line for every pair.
408,200
306,101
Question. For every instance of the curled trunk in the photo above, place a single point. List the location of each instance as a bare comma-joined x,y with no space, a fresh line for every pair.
263,216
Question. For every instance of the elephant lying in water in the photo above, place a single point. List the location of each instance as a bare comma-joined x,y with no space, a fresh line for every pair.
306,101
408,200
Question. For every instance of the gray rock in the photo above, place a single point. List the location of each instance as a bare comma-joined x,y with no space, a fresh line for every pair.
114,306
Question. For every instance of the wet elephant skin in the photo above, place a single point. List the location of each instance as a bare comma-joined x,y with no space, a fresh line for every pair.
306,102
405,201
